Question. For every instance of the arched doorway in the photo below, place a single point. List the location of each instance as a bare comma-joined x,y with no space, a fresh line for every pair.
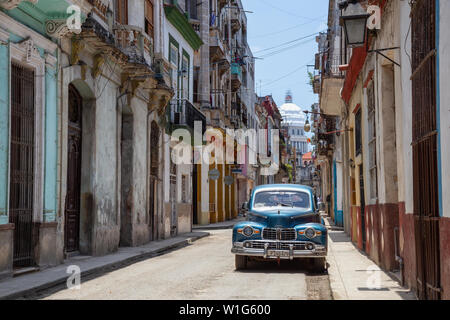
154,169
73,195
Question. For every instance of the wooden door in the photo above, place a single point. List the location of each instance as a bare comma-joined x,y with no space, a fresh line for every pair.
72,207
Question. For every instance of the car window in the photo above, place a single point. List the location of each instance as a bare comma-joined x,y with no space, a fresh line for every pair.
295,199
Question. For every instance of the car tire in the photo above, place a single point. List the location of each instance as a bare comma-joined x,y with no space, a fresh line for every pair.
319,265
240,262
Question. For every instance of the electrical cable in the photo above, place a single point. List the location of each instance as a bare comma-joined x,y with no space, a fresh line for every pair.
270,54
289,42
287,29
288,74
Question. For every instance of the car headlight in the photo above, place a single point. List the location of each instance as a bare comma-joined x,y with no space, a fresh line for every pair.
247,231
310,233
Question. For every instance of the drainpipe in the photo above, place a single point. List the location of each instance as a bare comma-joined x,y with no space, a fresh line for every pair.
397,257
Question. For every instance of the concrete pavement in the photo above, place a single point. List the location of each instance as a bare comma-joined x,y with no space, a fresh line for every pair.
202,271
353,276
29,284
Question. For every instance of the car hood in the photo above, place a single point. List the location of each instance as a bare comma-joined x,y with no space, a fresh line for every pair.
283,218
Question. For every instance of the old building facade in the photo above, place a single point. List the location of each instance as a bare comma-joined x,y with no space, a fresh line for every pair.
391,141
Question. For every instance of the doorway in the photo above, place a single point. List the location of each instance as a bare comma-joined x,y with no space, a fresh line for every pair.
154,169
172,198
72,205
22,146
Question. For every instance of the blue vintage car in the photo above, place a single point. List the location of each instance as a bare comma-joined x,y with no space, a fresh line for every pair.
283,222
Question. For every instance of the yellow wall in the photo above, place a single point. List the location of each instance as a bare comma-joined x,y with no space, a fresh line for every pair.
220,187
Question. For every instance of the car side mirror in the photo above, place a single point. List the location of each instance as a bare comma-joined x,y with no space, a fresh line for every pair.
245,206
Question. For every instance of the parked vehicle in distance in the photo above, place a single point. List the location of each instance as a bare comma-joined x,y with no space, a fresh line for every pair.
283,222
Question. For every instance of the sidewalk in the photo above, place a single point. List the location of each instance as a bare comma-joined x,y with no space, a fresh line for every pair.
350,272
219,225
12,288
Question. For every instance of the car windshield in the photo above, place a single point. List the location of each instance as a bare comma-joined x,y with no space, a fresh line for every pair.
293,199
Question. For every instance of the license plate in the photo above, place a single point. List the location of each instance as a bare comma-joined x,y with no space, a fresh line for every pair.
278,253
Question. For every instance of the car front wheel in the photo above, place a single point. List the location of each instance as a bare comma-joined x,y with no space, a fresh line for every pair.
240,262
319,264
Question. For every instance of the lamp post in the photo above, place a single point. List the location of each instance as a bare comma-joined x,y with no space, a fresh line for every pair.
354,19
307,126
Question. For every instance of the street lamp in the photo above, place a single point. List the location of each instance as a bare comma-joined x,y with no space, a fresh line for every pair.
307,126
354,18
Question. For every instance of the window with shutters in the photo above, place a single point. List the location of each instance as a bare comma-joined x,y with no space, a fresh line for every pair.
185,66
121,11
149,18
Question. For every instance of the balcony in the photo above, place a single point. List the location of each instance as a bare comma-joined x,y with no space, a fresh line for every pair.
316,84
195,24
332,83
236,24
183,114
217,50
128,46
236,76
134,43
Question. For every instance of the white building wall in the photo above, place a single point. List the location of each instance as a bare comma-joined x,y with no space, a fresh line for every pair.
404,120
444,84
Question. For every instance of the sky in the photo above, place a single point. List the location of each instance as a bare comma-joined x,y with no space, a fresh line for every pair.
285,67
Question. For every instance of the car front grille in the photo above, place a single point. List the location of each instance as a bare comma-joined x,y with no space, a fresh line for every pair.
279,234
275,245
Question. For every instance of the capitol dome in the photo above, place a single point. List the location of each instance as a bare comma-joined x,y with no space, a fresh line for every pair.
292,114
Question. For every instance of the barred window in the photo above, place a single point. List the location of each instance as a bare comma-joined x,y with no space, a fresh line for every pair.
372,138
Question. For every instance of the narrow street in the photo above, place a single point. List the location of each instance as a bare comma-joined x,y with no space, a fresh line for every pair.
203,271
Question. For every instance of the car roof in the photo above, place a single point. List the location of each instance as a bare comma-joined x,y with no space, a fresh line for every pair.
283,186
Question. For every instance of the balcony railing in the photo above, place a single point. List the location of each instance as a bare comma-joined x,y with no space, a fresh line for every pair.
183,113
331,66
135,43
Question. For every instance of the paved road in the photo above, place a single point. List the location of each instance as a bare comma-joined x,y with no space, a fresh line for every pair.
203,270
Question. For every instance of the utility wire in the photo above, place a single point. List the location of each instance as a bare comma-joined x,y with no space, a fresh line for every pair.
287,75
270,54
287,29
286,43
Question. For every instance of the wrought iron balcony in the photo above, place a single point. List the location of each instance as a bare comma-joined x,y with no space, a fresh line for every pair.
128,45
135,43
331,66
184,114
236,76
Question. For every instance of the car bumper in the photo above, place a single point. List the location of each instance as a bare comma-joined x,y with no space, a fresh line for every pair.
279,249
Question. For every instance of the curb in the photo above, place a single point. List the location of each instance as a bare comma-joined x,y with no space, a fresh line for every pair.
337,286
107,267
218,227
213,227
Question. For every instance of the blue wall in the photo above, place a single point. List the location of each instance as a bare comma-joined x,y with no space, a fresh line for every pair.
51,145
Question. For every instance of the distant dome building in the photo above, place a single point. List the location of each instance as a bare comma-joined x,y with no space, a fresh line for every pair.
294,122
